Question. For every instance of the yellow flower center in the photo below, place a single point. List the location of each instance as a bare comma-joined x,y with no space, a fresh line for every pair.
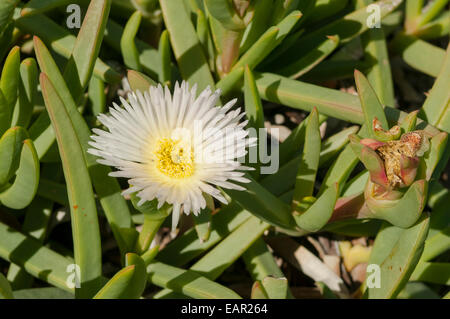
174,158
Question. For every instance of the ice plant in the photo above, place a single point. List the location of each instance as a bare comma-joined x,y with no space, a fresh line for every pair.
174,148
392,160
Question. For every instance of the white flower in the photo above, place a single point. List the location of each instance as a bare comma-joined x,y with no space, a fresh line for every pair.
174,148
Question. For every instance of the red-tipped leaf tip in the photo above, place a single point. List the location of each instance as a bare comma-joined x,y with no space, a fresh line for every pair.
333,38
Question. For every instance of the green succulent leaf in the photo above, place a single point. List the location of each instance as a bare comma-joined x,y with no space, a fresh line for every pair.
309,161
6,12
260,262
371,161
376,53
231,248
86,234
128,47
260,202
107,188
187,247
413,9
347,28
433,9
334,144
28,84
284,179
437,103
307,62
227,251
9,84
436,28
340,170
434,273
10,151
410,206
418,54
165,54
370,104
150,255
255,115
203,224
5,288
409,122
22,191
253,104
223,11
436,245
63,42
262,12
293,143
329,102
417,290
323,9
259,50
204,36
276,288
42,293
42,6
319,212
148,55
36,223
187,282
97,96
80,66
139,81
44,264
258,291
186,46
128,283
433,156
397,252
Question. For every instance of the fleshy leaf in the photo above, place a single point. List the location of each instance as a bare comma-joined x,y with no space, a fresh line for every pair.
5,288
309,161
20,194
319,213
86,233
128,47
258,291
371,161
403,212
139,81
398,257
10,149
80,66
128,283
187,282
371,105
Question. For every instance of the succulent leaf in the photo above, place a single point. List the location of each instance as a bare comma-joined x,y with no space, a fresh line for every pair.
385,135
371,161
402,212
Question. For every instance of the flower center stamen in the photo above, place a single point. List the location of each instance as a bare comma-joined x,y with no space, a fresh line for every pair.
174,158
